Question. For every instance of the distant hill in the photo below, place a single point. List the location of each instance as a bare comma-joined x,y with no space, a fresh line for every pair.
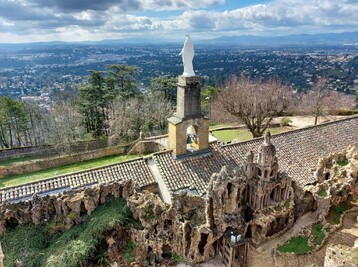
346,38
326,39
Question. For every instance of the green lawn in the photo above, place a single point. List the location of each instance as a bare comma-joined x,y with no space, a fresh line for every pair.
40,175
317,232
38,246
244,134
297,245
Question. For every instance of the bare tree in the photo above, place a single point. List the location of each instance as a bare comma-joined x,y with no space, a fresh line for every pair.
320,100
317,99
255,103
143,113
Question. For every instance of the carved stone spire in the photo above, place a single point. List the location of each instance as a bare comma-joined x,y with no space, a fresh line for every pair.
267,161
249,165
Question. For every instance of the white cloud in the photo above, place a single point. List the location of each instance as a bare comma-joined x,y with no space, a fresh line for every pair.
117,18
278,15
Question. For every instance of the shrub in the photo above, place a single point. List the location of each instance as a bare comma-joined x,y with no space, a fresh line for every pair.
285,122
36,246
322,193
342,163
175,258
297,245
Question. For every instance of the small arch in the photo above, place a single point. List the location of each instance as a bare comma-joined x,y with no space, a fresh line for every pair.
229,189
327,175
167,224
202,243
248,233
259,172
167,252
272,195
192,138
265,175
83,210
11,223
272,173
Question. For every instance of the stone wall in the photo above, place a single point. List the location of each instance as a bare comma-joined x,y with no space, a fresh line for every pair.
46,163
146,146
39,151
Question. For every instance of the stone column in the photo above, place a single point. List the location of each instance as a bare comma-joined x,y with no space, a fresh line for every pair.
287,192
267,198
188,113
257,206
280,194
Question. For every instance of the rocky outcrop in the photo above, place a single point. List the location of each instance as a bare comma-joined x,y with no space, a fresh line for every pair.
193,226
341,256
69,207
337,180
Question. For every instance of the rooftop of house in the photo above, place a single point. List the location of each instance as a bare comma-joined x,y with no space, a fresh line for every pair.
298,152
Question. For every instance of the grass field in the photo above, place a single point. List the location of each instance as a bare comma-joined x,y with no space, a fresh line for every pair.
297,245
336,212
244,134
40,175
36,246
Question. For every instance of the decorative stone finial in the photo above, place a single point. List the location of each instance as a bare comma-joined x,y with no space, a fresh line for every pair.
141,135
250,157
267,138
187,54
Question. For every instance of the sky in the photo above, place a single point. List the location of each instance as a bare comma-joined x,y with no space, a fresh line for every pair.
23,21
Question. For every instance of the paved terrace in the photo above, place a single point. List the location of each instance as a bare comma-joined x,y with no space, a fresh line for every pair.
298,153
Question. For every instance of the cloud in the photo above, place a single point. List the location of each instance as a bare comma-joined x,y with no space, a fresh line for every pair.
279,14
82,5
116,18
178,4
124,5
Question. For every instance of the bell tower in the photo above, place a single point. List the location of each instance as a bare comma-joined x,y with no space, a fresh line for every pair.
188,129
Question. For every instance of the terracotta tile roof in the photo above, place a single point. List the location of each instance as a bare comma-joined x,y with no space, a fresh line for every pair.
136,169
297,151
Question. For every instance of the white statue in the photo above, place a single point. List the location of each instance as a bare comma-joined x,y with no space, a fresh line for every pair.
187,54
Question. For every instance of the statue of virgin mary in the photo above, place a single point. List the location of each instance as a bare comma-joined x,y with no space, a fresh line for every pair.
187,54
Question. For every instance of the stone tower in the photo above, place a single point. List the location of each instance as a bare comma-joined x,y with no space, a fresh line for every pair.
266,186
188,129
267,166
